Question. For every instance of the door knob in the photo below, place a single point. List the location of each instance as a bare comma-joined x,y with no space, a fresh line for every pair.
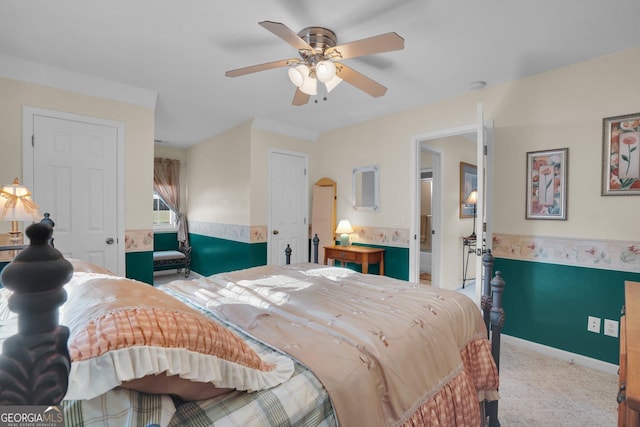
109,241
275,232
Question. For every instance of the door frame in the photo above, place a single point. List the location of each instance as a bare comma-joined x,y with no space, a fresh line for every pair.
28,113
304,227
437,207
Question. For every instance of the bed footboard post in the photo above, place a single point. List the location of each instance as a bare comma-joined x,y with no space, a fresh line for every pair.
35,363
287,255
485,301
316,240
497,322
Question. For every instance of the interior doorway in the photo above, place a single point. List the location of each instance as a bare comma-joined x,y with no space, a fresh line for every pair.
446,245
426,216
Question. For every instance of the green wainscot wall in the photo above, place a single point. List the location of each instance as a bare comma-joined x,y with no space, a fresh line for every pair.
549,304
165,241
140,266
211,255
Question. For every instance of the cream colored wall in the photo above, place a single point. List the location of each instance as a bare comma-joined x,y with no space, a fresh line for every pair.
219,178
386,142
139,130
228,175
562,108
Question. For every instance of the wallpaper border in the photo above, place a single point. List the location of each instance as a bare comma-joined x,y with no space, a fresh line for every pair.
592,253
234,232
138,240
397,237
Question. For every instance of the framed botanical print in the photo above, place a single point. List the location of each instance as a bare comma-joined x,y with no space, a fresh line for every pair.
621,155
468,181
547,184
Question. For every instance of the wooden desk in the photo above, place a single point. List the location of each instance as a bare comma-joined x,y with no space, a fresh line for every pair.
629,381
363,255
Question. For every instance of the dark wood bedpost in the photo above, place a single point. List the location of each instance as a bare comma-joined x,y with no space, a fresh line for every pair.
485,302
35,363
497,316
497,322
316,240
287,255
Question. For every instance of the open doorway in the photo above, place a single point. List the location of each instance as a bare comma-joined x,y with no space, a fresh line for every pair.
448,229
443,157
426,216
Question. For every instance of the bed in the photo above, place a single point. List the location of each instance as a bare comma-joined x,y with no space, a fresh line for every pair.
300,344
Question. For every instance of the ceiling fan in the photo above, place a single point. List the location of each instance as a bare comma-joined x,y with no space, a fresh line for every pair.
318,60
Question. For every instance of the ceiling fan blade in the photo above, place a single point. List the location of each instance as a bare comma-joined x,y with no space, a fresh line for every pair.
300,98
360,81
261,67
377,44
286,34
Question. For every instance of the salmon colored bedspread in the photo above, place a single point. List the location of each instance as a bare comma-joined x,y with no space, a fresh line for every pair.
389,352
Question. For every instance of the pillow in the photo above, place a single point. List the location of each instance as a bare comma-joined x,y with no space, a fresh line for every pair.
130,334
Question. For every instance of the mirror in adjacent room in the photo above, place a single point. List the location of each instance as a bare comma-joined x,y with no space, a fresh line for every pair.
366,188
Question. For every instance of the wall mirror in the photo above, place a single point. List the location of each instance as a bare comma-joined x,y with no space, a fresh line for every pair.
366,188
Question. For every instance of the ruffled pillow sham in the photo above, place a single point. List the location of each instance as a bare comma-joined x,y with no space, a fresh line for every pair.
129,334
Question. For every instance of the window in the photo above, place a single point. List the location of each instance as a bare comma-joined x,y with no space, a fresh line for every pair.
163,217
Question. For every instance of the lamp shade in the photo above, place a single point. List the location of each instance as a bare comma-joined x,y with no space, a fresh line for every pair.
298,74
472,199
344,229
16,203
310,86
331,84
325,71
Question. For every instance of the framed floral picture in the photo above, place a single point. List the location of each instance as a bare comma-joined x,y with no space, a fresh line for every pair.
547,184
468,182
621,155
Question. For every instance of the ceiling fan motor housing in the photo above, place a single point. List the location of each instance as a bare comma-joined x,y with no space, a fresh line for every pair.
319,38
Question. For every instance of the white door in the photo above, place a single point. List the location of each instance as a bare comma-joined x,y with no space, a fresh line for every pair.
288,207
75,180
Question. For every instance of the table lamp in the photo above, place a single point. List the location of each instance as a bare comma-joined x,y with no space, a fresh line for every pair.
344,230
16,205
473,200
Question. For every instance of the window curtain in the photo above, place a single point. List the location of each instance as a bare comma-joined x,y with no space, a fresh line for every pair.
166,183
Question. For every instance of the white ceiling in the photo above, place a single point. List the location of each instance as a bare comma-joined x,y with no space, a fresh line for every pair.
181,50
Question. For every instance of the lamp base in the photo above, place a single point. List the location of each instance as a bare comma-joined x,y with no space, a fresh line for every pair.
15,237
344,240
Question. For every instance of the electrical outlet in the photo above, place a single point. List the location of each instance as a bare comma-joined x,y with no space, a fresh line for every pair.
593,324
611,328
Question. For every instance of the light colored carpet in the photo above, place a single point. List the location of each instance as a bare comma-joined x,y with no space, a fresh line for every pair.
540,390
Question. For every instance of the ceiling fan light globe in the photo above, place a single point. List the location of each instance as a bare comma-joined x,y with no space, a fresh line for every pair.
298,74
325,71
310,86
331,84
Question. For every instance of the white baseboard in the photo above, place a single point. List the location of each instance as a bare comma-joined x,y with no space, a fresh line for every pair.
578,359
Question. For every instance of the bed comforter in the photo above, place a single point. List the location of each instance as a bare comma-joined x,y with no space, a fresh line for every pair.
388,352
